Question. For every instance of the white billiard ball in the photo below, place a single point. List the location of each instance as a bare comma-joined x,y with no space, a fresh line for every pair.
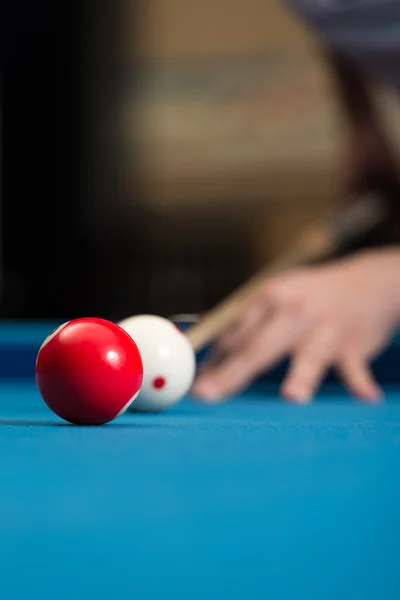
169,362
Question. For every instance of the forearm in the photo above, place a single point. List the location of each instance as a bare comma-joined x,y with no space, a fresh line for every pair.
371,154
355,97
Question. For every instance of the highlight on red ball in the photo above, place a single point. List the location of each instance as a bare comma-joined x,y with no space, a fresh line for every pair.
89,371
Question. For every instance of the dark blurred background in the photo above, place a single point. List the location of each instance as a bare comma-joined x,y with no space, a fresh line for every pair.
154,153
43,243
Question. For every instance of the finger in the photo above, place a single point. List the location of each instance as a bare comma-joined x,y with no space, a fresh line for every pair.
254,313
251,317
309,365
271,295
235,335
357,376
258,353
214,357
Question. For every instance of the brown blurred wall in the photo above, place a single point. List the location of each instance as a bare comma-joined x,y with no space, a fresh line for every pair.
243,121
181,28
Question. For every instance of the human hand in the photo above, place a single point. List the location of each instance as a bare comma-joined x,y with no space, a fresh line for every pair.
338,315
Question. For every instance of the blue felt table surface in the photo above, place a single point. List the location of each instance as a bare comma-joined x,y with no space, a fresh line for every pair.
254,499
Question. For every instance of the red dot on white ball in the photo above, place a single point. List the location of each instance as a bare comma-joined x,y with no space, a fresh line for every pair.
159,383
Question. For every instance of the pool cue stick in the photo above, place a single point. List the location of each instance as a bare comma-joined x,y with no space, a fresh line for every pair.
317,242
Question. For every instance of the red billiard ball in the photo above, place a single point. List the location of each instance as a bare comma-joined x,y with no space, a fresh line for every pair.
88,371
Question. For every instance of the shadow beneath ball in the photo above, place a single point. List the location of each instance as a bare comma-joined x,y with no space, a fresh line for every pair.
29,423
34,423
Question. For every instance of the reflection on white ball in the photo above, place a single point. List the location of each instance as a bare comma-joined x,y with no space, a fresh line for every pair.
169,362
